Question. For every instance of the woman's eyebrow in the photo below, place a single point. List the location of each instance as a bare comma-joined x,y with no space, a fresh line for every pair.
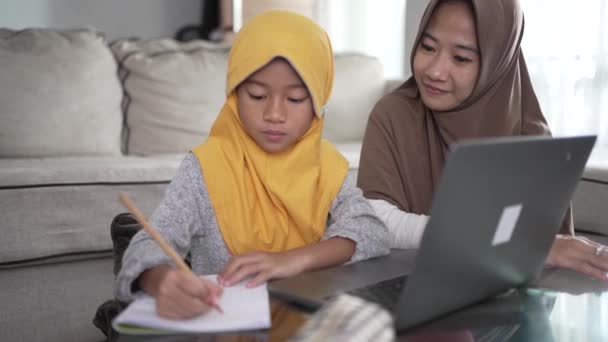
429,36
459,46
468,48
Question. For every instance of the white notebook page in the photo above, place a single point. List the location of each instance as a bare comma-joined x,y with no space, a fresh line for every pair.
244,309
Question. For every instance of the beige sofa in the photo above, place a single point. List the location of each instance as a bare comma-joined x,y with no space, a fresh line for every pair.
81,121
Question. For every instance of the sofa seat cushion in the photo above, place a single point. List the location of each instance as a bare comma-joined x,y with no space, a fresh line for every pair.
63,207
86,170
60,95
591,199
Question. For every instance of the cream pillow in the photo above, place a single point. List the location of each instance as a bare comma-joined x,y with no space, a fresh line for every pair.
60,94
173,92
358,85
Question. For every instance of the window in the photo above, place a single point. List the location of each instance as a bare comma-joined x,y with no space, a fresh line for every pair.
566,49
371,27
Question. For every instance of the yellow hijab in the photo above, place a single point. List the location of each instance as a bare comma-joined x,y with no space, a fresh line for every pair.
263,201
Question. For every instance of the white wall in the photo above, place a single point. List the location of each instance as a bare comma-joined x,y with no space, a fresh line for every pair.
116,18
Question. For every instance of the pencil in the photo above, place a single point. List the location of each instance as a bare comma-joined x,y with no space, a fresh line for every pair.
153,232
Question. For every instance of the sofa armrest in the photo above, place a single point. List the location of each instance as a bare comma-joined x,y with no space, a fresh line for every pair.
392,84
590,201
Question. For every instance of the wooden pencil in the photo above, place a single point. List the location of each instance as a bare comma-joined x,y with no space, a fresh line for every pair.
167,249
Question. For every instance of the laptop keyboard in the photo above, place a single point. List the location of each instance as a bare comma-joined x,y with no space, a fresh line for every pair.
386,293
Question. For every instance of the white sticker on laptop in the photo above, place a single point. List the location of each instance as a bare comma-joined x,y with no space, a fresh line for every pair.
506,224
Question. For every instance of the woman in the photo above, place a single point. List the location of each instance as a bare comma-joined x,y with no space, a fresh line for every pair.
469,81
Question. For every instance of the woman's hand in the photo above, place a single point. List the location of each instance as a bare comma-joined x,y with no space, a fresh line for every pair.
262,266
579,254
179,294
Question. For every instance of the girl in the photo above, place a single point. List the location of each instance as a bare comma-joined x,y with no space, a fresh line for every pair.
264,197
469,81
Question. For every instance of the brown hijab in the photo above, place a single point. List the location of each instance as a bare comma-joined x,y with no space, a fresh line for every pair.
406,143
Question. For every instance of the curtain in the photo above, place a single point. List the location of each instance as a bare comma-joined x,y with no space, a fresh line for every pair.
566,48
371,27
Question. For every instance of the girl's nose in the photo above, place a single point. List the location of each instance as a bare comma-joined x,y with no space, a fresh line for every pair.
275,111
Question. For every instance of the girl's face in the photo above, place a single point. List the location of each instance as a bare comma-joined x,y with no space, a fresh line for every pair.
447,60
275,106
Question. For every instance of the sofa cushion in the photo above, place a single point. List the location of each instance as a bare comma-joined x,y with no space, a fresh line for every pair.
590,199
63,206
173,92
16,173
60,94
359,82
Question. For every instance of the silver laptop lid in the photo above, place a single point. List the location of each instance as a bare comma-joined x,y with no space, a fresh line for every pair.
496,211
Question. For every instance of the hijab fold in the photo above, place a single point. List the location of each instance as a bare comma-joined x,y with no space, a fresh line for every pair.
406,144
279,201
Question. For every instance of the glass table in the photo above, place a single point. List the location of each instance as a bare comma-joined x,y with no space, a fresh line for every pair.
561,306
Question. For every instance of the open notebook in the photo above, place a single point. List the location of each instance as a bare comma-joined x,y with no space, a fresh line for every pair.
244,309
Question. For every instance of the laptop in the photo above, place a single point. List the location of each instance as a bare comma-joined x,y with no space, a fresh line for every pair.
499,204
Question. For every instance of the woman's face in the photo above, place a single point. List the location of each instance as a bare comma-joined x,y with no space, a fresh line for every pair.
275,106
447,60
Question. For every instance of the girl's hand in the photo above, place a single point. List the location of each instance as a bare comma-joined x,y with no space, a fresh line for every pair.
179,294
579,254
262,266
